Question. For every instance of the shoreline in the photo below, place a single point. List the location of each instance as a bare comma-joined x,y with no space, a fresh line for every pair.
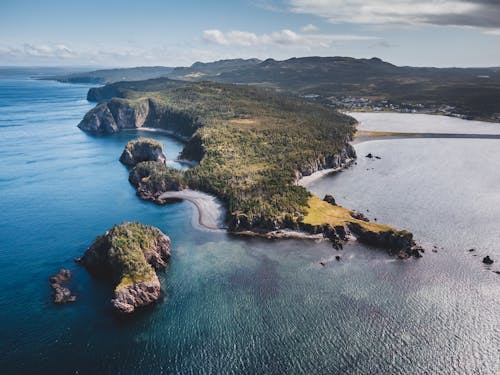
211,211
306,181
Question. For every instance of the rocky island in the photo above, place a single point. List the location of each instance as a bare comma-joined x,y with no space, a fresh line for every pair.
142,149
129,254
252,145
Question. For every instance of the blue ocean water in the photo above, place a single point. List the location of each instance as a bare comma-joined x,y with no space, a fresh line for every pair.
236,305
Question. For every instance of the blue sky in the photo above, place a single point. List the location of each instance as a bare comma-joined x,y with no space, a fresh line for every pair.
174,33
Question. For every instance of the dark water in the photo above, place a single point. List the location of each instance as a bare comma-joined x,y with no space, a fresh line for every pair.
243,306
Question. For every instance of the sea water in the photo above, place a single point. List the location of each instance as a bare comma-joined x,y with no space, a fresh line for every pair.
234,305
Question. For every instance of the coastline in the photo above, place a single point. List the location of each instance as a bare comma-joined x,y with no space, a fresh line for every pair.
306,181
211,211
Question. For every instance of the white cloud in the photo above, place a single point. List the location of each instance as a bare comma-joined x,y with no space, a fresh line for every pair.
309,28
283,37
476,13
238,38
493,32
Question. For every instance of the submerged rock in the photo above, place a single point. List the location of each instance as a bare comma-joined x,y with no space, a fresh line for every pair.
142,149
61,294
129,254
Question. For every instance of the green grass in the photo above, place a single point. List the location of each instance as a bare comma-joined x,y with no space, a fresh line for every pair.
321,213
125,254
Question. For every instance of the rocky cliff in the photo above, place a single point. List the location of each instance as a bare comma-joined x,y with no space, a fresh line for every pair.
142,149
122,114
129,254
334,161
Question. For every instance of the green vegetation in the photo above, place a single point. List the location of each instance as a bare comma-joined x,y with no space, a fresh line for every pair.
141,140
114,75
125,255
154,176
250,144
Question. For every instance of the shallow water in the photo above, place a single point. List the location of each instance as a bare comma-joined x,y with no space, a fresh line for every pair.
236,305
421,123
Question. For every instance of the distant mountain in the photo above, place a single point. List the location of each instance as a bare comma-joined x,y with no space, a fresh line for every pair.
199,70
370,84
473,92
106,76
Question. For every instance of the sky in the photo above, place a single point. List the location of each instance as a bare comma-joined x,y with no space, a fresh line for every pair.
177,33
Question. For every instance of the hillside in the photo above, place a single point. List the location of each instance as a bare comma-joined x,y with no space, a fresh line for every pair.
194,72
106,76
252,146
343,83
471,92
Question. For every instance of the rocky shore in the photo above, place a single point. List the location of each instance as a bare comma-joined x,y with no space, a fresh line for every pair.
129,254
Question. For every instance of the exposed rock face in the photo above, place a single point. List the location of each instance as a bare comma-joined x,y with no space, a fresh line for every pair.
129,254
143,149
115,115
61,294
336,161
119,114
142,293
359,216
330,199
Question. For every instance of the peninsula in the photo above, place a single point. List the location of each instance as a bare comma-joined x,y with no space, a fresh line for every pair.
252,146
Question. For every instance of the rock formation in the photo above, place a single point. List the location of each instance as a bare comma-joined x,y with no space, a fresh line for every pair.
61,294
142,149
129,254
488,260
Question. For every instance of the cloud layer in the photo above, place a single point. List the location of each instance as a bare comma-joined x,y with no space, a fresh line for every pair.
473,13
284,37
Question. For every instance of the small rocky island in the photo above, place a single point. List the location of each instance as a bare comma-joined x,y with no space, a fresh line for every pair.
252,147
129,254
60,293
142,149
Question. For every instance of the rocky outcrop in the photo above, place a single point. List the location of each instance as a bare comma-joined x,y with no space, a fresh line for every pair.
152,179
400,243
143,293
330,199
142,149
116,115
122,114
488,260
335,161
129,254
61,294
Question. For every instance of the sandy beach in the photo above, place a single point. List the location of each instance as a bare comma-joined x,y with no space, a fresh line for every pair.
211,211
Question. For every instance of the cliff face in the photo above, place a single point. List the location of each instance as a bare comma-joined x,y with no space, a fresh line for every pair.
129,254
115,115
335,161
121,114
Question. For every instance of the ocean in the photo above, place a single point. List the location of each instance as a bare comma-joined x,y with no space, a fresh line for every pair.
237,305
